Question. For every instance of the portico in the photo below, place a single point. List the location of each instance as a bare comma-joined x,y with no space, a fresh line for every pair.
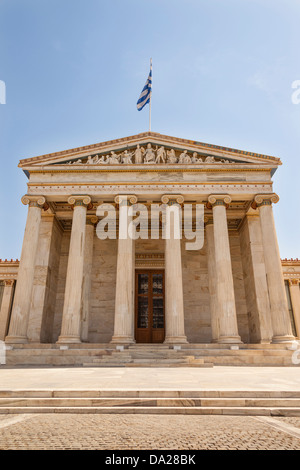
76,287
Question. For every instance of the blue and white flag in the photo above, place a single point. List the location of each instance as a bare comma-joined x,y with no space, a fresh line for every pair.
145,96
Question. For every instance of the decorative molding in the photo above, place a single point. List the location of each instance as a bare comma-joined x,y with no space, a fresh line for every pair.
149,260
114,188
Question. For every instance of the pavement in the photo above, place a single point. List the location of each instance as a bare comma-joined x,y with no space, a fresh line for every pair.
123,378
74,431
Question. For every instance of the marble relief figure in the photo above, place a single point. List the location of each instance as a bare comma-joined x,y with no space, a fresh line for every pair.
155,156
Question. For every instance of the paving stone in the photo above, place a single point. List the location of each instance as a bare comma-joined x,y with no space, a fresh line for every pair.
133,432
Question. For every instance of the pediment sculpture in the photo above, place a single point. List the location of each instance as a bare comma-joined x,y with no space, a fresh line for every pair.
148,155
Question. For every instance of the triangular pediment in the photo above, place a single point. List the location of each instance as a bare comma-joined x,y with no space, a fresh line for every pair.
149,148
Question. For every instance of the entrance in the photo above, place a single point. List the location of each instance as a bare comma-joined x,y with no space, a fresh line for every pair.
149,306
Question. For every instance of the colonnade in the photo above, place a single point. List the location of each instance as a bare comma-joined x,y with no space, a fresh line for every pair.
74,327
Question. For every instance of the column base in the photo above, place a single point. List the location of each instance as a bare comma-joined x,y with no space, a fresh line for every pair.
175,340
16,339
283,339
68,340
229,340
120,339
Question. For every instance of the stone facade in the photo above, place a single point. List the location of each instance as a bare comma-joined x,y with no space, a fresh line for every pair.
74,287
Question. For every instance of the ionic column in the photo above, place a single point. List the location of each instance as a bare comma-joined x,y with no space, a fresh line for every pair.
255,280
228,329
295,301
21,308
212,280
70,330
6,306
174,315
124,304
87,275
282,331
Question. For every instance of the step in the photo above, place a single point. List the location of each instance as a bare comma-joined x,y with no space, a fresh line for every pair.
152,393
152,402
229,411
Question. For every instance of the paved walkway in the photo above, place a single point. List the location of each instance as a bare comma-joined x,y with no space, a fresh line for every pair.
132,432
135,432
122,378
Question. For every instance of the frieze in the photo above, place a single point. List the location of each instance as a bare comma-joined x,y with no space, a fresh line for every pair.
148,155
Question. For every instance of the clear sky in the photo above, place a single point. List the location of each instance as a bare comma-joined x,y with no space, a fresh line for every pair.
222,74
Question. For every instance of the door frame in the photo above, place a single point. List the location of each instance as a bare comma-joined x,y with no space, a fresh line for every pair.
160,337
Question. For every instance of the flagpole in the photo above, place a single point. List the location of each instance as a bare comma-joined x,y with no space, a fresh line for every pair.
150,100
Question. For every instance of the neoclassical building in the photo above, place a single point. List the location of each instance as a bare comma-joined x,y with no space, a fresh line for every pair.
75,287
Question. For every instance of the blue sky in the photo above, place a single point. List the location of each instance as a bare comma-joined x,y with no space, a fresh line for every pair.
222,74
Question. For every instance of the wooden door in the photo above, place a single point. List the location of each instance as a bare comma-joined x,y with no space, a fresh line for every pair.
149,306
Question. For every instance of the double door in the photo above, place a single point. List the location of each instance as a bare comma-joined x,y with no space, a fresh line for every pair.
149,306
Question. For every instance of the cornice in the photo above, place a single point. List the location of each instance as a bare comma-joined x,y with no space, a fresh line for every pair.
153,169
147,136
291,261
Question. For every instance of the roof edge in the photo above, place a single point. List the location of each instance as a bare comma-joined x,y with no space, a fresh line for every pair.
122,140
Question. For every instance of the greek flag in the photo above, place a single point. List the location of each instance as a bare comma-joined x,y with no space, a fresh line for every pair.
146,92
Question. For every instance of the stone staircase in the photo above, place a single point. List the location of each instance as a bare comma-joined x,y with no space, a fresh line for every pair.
149,355
193,402
146,355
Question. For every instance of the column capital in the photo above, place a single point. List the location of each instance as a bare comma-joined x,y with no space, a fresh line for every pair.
80,200
172,199
294,282
35,201
264,200
9,282
208,220
218,200
91,220
121,198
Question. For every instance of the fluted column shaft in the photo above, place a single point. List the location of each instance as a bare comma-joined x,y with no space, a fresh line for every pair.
87,276
212,281
124,303
228,329
174,314
21,308
70,329
281,324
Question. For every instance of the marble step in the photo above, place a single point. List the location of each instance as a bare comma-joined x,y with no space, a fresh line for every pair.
149,394
151,402
195,410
